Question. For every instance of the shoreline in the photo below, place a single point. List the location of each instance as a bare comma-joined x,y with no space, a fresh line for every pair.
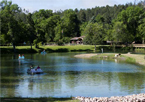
85,55
139,59
129,98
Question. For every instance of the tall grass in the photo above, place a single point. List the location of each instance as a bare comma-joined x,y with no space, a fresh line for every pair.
139,50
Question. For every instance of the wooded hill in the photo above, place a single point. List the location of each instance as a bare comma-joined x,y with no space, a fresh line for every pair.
118,23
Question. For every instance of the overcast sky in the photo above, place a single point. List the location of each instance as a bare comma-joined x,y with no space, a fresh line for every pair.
55,5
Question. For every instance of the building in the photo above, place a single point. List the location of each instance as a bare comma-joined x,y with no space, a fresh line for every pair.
77,40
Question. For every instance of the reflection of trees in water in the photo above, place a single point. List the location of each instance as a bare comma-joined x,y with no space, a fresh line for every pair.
74,79
50,85
132,81
128,82
9,86
45,85
9,92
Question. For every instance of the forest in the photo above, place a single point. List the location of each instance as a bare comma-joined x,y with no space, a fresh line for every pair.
118,23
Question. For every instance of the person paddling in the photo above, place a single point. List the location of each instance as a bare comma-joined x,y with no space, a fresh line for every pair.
31,67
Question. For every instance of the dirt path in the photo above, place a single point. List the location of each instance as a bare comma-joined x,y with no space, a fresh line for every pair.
85,55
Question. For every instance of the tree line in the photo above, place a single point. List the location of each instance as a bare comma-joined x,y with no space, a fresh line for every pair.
118,23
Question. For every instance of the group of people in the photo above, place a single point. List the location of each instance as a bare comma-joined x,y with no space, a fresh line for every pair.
33,70
21,57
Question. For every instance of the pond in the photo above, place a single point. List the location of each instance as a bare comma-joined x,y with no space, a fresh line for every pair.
65,76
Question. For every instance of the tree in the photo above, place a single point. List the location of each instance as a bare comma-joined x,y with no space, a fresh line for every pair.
99,19
10,26
94,34
82,16
68,26
141,30
31,29
38,18
130,18
48,27
120,33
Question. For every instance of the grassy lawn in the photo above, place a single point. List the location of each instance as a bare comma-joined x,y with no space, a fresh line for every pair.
69,48
27,49
139,58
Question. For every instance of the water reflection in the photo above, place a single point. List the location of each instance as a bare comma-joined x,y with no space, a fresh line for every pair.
68,76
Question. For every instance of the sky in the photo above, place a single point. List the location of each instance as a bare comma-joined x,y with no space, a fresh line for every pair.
56,5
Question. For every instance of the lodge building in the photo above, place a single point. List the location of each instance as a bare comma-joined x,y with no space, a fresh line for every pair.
77,40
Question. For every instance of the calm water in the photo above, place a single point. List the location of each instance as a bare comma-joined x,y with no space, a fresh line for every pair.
66,76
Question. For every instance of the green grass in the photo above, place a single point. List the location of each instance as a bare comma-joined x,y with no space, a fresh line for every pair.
69,48
108,55
111,56
27,49
41,99
129,59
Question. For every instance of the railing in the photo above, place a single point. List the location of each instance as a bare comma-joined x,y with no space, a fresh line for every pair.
138,45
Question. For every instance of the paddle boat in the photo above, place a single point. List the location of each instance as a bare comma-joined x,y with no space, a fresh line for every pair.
43,52
34,71
21,57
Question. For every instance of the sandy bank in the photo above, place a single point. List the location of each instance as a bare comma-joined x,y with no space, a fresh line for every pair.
85,55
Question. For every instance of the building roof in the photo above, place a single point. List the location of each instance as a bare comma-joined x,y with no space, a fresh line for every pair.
76,38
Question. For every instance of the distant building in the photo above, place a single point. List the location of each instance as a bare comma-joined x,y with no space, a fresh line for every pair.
77,40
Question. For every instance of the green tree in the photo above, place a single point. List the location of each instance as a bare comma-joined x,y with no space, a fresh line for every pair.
94,34
68,26
99,19
82,16
38,18
31,32
141,30
10,26
130,18
48,27
120,33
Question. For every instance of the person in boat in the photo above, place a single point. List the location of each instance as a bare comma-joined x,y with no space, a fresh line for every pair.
37,67
38,70
22,55
32,70
19,56
31,67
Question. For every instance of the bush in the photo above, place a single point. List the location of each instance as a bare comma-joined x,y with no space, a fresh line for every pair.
60,42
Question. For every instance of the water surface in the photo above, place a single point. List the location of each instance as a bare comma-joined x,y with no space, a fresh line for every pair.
66,76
